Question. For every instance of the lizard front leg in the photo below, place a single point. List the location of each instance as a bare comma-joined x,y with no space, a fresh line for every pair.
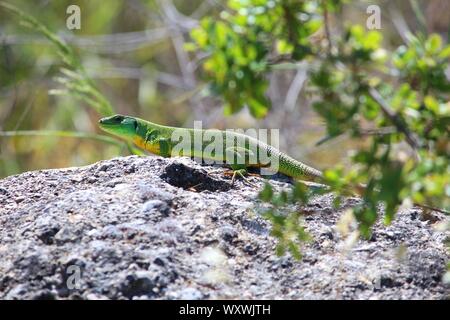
157,144
164,147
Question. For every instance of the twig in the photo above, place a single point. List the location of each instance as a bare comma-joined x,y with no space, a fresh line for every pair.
174,20
295,88
395,119
58,133
285,58
399,23
327,27
363,133
419,15
107,43
424,206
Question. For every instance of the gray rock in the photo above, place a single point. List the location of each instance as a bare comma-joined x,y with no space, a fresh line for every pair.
190,294
17,292
151,206
137,284
228,233
138,228
149,192
66,234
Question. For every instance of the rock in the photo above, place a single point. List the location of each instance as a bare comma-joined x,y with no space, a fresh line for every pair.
103,167
250,248
148,192
190,294
180,175
66,234
19,199
228,233
44,295
114,182
46,235
18,292
156,228
91,179
137,284
110,231
155,205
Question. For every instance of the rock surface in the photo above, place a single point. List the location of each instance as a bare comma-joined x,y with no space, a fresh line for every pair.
154,228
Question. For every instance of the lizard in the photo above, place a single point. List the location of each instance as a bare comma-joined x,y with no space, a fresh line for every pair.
158,139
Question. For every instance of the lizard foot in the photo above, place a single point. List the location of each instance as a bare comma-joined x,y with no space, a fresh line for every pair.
241,173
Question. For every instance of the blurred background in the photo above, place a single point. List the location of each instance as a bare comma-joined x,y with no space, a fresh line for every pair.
135,53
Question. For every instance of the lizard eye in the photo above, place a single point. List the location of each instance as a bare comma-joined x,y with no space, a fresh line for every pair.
118,118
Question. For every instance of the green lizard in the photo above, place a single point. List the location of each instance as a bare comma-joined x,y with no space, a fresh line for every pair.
238,151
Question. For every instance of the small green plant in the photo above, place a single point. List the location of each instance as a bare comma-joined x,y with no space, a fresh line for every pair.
74,78
286,223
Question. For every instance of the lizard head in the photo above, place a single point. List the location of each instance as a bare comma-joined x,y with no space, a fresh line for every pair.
119,125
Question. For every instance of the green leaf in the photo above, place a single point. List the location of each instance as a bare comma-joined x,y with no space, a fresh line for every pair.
283,47
431,103
445,53
258,107
433,43
280,249
294,250
266,194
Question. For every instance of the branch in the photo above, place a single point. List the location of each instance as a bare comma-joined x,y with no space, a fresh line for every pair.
59,133
327,27
394,118
362,133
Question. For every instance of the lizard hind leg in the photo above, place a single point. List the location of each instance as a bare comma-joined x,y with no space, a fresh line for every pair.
236,158
240,172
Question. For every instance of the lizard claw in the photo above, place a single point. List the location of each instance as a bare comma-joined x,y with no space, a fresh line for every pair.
240,174
234,174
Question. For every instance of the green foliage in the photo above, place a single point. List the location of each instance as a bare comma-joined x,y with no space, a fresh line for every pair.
236,66
74,77
76,82
239,47
417,109
398,102
422,64
286,227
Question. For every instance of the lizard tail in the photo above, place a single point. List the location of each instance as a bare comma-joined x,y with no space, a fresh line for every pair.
298,170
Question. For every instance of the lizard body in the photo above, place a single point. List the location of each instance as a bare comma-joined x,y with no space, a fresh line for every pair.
159,140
